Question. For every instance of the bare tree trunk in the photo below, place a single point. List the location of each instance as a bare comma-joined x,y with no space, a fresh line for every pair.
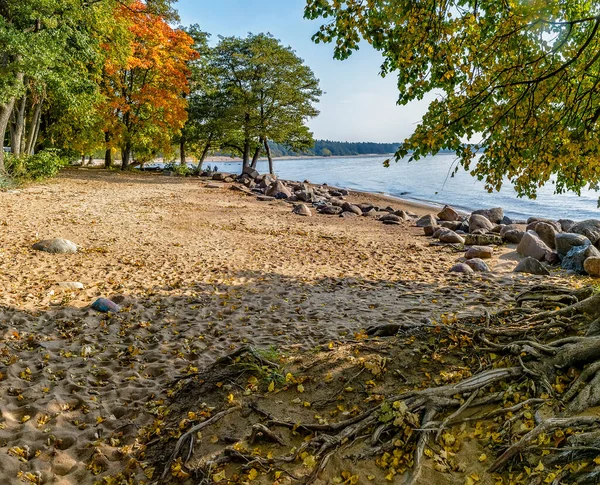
34,128
257,153
17,126
90,160
246,157
268,149
203,156
108,153
5,112
182,149
83,159
125,156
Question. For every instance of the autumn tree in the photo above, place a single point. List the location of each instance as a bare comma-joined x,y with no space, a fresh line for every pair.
519,80
144,93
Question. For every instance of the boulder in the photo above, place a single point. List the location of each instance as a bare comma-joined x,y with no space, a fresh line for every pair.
403,215
331,210
483,240
365,207
513,236
563,242
438,232
104,305
532,266
479,252
56,246
448,214
592,266
461,268
222,176
506,221
497,228
428,220
508,227
547,233
347,207
448,236
390,218
477,221
452,225
302,210
430,230
265,180
531,245
493,215
251,172
589,229
278,190
305,195
566,224
348,214
531,226
478,265
575,258
344,192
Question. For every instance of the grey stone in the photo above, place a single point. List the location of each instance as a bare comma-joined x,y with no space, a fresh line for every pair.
390,218
483,240
566,224
265,198
513,236
348,214
508,227
479,252
575,258
213,186
478,265
428,220
448,214
461,268
56,246
365,207
506,221
278,190
451,237
390,222
532,266
494,215
438,232
403,215
430,230
477,221
251,172
222,176
563,242
532,245
302,210
589,228
347,207
452,225
305,195
547,233
592,266
533,224
331,210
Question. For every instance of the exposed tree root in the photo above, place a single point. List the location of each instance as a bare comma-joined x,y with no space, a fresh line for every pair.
540,370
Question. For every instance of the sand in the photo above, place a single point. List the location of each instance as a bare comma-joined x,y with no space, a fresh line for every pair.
198,273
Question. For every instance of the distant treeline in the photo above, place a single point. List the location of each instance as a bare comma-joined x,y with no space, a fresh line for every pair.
327,148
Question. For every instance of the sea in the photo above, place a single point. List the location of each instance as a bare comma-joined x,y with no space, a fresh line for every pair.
428,181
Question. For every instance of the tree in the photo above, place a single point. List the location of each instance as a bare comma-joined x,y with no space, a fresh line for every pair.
257,90
521,76
145,92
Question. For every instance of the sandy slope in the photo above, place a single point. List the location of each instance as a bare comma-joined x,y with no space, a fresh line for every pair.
199,272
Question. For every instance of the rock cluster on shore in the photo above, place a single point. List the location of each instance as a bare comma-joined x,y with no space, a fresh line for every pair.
541,242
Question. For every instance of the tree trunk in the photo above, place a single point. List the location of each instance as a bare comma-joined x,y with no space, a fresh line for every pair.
203,156
268,149
83,160
182,149
34,128
5,112
108,153
246,158
90,160
256,154
125,156
17,126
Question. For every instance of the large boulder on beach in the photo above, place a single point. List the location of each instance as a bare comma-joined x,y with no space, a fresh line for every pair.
428,220
448,214
565,241
478,265
56,246
391,218
461,268
448,236
531,245
508,227
302,210
531,266
547,233
452,225
589,228
305,195
331,210
430,230
575,258
592,266
494,215
513,236
347,207
250,172
566,224
477,222
532,226
479,252
278,190
483,240
222,176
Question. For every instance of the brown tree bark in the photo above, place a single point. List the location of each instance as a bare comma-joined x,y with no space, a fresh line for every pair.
268,149
108,153
257,154
34,128
182,150
17,126
125,156
204,153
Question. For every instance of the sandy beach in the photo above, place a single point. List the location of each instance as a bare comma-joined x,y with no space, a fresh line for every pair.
198,273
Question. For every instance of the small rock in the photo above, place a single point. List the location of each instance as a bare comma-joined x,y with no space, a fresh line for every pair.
461,268
56,246
478,265
532,245
331,210
71,285
448,214
533,224
105,305
452,225
477,221
348,214
390,218
564,242
391,222
479,252
213,186
241,188
494,215
483,240
265,198
428,220
451,237
302,210
347,207
532,266
513,236
592,266
506,221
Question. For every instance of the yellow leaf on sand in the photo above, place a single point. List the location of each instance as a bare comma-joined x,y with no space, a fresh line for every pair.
540,467
483,457
218,477
272,386
252,474
300,388
309,461
289,377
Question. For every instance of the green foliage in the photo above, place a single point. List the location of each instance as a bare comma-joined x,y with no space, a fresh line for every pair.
179,169
520,76
42,165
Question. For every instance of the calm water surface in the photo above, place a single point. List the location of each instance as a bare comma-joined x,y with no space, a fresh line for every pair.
427,181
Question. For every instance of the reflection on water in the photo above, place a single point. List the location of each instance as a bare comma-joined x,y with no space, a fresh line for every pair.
428,180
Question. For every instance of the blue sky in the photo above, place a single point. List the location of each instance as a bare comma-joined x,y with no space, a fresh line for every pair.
358,105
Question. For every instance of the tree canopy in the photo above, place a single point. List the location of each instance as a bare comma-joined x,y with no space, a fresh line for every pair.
519,78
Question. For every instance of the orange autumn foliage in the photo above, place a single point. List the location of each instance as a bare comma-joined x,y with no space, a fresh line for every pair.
144,90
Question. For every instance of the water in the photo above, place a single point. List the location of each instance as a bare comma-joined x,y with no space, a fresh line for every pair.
427,181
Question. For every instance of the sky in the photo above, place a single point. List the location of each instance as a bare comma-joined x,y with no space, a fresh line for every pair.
357,104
